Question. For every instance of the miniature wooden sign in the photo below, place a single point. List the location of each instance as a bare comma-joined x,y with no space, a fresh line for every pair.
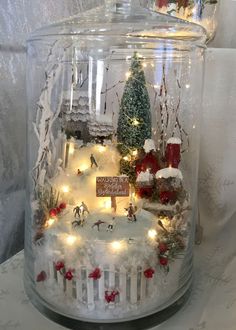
112,186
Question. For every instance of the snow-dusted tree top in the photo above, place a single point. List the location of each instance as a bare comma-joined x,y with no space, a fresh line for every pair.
149,145
169,172
144,177
174,140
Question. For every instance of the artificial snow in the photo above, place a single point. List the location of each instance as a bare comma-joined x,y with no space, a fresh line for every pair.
149,145
174,140
169,172
145,177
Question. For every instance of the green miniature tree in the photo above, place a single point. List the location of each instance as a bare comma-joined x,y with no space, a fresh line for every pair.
134,122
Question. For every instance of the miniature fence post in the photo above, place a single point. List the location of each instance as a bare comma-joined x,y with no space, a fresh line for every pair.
122,284
133,285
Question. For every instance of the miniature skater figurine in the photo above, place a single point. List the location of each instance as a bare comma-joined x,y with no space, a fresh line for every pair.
79,172
111,225
78,223
98,223
93,161
77,211
131,212
84,208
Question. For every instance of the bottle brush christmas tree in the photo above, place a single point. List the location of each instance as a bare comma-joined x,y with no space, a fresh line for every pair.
134,122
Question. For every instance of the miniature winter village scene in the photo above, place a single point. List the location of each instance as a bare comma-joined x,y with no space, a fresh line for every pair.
110,204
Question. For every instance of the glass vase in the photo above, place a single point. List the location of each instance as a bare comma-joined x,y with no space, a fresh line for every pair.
113,144
203,12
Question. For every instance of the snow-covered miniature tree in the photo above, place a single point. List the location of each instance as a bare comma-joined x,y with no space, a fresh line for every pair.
134,122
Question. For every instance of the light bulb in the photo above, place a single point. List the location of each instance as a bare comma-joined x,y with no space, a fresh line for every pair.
101,148
135,152
128,74
116,245
152,233
65,189
50,222
70,240
135,122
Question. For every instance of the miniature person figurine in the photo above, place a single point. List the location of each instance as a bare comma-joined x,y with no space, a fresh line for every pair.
79,172
78,223
93,161
111,225
131,212
84,208
97,224
77,211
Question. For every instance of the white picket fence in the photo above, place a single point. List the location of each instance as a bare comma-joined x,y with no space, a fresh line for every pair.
132,285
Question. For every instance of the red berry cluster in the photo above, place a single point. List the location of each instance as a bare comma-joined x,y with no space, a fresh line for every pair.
148,273
110,296
96,274
60,266
69,275
42,276
56,210
163,258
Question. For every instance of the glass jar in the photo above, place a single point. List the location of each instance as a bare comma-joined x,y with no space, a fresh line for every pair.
203,12
113,141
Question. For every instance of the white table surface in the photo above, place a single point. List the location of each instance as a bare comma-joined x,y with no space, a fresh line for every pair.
212,305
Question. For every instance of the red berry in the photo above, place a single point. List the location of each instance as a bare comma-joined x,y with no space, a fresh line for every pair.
41,276
110,296
62,206
59,265
96,274
69,275
53,212
58,210
162,247
163,261
148,273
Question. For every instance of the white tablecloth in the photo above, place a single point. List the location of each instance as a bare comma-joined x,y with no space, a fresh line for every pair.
212,304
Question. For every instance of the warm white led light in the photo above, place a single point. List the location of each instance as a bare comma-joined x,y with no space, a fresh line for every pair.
70,240
65,189
116,245
152,233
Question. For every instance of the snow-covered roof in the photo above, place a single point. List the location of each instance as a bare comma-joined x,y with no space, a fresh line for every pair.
174,140
144,177
149,145
97,128
169,172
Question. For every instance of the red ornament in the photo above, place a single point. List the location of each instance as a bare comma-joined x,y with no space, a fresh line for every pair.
148,273
58,210
96,274
148,162
162,247
167,197
173,154
59,265
68,275
161,3
62,206
163,261
110,296
53,212
41,277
